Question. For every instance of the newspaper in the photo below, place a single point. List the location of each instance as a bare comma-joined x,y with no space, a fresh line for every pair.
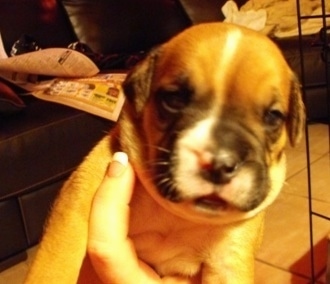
72,79
100,95
52,62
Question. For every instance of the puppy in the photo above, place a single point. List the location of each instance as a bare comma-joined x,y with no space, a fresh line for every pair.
205,125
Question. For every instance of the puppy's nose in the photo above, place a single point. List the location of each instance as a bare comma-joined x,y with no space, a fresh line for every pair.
221,168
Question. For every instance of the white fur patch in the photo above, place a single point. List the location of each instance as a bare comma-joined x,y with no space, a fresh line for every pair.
230,48
191,145
227,56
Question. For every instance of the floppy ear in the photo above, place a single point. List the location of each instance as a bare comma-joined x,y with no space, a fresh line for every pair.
297,117
137,83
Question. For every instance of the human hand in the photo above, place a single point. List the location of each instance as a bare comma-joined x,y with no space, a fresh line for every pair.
111,252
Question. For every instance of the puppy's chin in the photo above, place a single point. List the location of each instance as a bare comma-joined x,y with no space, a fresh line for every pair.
206,208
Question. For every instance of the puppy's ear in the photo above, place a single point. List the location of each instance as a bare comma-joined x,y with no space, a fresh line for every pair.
297,117
137,83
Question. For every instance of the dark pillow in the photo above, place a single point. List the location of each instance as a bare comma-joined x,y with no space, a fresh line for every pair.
9,101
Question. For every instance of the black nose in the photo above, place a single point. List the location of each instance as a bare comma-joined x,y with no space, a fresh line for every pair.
221,169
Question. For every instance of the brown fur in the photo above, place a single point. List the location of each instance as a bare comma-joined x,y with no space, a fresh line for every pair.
236,76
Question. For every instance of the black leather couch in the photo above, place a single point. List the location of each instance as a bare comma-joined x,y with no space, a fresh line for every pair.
41,143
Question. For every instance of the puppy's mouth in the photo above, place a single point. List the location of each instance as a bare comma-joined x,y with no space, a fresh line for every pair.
212,202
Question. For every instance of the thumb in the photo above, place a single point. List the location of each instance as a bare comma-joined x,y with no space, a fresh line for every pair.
110,211
109,218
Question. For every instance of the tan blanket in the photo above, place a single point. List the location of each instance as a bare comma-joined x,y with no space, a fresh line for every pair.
281,19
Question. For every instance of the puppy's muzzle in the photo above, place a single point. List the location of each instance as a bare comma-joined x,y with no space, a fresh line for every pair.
227,155
224,171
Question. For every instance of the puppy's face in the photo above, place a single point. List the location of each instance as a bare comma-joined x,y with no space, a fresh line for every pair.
206,122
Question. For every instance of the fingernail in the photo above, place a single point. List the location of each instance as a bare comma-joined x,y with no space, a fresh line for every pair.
118,164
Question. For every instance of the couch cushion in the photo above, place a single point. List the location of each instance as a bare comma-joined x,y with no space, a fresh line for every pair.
10,102
44,142
112,26
12,233
35,207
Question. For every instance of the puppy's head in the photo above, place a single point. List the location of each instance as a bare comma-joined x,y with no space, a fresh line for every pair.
206,122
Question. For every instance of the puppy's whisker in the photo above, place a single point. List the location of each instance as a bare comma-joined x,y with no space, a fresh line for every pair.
168,188
157,163
162,175
161,149
165,180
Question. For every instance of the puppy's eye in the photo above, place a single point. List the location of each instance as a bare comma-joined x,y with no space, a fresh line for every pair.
274,117
174,101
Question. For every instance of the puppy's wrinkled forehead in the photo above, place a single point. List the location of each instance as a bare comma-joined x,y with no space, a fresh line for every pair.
224,62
